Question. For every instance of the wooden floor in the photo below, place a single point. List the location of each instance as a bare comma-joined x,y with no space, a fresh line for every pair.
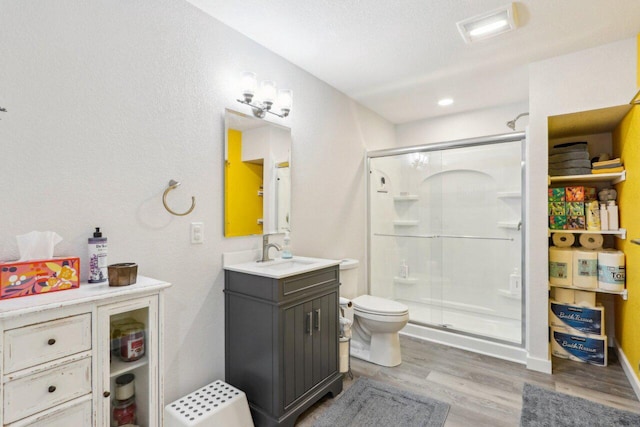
482,390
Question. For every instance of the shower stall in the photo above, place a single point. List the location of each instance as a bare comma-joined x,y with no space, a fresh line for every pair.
446,239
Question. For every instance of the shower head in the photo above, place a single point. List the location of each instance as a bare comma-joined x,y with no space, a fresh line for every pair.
512,123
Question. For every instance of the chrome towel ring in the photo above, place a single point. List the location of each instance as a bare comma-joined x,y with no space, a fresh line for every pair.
173,184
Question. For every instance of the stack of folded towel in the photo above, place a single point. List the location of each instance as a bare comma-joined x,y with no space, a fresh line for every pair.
570,158
608,166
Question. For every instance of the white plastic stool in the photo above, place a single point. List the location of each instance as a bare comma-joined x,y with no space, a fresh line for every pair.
214,405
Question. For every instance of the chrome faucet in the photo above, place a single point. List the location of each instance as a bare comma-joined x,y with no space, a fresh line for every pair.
266,246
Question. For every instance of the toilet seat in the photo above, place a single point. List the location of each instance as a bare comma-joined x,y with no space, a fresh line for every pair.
379,306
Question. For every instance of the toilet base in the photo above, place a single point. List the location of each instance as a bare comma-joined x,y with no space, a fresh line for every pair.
383,350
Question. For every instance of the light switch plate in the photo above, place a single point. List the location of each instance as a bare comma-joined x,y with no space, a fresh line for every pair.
197,233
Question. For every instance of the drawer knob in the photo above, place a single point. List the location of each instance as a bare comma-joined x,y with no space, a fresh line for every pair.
51,341
106,394
52,388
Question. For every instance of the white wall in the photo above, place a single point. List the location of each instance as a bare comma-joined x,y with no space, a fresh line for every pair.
109,100
471,124
601,77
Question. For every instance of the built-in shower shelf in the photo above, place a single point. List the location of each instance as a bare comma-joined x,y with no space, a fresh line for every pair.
511,225
622,293
405,197
405,280
406,222
509,195
507,293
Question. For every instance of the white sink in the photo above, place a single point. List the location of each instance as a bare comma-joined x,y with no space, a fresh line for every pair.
280,268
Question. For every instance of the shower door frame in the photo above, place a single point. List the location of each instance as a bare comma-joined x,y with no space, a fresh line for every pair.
449,145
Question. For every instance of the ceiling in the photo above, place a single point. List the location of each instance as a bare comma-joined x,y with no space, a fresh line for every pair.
400,57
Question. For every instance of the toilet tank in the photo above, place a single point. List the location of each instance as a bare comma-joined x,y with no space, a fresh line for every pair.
349,278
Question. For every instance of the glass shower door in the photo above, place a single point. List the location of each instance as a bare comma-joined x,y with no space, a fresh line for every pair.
452,218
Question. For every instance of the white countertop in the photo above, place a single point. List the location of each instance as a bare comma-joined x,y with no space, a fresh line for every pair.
281,268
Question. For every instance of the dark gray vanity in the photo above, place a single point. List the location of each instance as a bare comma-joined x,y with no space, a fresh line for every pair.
281,337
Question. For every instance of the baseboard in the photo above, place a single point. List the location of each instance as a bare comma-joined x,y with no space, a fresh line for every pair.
628,370
540,365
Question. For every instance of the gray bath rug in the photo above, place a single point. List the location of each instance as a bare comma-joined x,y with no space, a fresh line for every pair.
546,408
373,404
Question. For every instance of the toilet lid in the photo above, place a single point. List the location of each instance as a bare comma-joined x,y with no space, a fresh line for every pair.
379,305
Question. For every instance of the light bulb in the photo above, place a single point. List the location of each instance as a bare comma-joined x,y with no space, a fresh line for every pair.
285,101
268,93
249,85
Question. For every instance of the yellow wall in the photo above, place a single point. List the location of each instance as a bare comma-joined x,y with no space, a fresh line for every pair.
626,144
242,180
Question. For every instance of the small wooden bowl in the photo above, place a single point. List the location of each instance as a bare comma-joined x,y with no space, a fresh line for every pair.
123,274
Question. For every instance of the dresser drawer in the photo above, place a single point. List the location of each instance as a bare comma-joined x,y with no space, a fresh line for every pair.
78,415
34,344
34,393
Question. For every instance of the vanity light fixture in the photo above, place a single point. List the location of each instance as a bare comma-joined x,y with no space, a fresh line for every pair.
489,24
267,96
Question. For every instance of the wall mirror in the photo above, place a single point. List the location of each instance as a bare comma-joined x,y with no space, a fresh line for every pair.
257,176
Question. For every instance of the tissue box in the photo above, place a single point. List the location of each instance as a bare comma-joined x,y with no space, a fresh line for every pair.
580,194
557,208
558,222
22,278
576,223
575,208
557,194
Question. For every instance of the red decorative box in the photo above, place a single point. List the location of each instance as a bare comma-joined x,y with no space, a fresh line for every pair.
22,278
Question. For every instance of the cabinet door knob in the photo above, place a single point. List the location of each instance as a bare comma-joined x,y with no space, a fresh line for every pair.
51,341
106,394
52,388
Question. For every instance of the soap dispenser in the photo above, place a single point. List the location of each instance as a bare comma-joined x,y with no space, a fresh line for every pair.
97,257
286,247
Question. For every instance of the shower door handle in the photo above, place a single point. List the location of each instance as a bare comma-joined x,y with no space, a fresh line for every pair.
310,323
317,320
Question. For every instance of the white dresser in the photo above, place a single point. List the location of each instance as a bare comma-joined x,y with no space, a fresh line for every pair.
62,352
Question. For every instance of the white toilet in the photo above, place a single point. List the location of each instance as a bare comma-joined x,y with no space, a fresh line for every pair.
376,321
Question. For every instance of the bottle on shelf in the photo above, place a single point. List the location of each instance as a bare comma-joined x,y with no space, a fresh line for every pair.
612,212
404,270
604,217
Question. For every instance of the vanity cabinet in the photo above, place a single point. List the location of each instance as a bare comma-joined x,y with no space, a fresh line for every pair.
59,363
281,339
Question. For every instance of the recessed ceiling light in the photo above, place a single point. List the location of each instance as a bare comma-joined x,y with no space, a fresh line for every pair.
445,101
488,24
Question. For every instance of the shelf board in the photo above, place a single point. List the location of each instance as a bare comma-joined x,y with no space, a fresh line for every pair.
507,293
512,225
405,197
623,293
621,232
406,222
119,367
614,178
509,195
405,280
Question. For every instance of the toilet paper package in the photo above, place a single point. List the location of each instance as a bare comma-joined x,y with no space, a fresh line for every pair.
577,320
560,266
563,240
579,347
611,270
585,269
564,296
584,298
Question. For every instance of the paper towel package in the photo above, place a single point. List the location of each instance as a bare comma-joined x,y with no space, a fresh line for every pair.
585,268
611,270
22,278
560,266
577,320
579,347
